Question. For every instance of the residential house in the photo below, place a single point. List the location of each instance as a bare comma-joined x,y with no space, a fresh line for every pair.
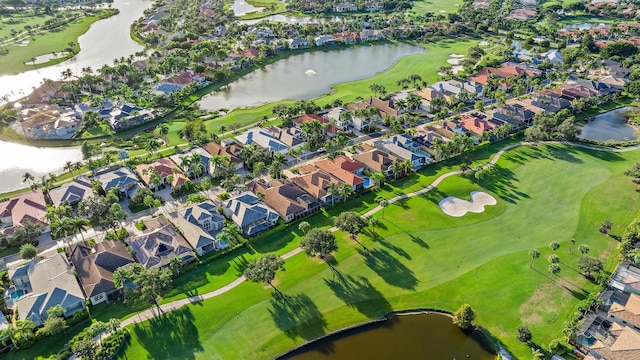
159,244
298,43
385,107
262,138
331,130
123,179
49,122
30,206
335,115
373,6
325,40
427,138
95,266
346,7
50,282
316,182
348,37
200,224
233,151
250,214
184,160
287,200
518,113
403,148
291,137
371,35
167,174
43,94
345,169
178,81
376,160
522,14
74,192
503,72
126,115
476,125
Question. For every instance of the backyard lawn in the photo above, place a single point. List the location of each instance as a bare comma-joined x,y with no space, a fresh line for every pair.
421,258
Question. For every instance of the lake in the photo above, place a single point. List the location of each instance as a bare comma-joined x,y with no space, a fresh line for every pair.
18,159
96,49
291,19
609,126
307,75
415,336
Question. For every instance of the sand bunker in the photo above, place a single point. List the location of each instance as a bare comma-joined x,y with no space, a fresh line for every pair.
457,207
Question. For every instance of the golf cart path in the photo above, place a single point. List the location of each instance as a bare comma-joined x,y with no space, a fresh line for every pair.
154,312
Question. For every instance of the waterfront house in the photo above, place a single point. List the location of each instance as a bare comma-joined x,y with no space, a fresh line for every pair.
95,266
298,43
346,7
30,206
74,192
250,214
373,6
49,122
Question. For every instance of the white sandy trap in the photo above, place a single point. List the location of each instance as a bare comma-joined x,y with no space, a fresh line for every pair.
457,207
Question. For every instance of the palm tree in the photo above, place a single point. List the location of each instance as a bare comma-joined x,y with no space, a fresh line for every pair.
28,177
61,226
80,224
383,204
332,190
406,166
378,178
162,130
276,165
345,190
534,253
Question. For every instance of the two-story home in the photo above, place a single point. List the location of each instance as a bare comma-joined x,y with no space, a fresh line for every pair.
200,224
376,160
233,150
264,139
123,179
345,169
30,206
49,282
289,201
251,215
195,161
74,192
159,244
165,170
292,137
403,147
316,182
95,266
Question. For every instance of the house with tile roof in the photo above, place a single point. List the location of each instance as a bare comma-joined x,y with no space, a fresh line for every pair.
285,198
200,224
167,171
623,344
203,157
74,192
95,266
403,147
347,170
30,206
263,139
316,182
292,137
159,244
232,150
476,125
52,283
49,122
250,214
376,160
122,179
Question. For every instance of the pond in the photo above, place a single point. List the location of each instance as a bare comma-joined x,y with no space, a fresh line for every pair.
242,7
307,75
38,161
414,336
291,19
96,49
609,126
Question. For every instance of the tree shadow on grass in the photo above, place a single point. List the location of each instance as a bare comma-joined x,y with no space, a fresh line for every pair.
240,263
503,183
390,269
382,241
297,316
358,293
579,294
171,335
414,238
564,154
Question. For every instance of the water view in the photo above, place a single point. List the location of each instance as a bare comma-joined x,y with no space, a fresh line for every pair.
96,50
19,159
416,336
290,19
307,75
610,126
242,7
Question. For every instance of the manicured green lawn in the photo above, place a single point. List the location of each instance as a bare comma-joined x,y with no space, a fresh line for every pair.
423,258
435,6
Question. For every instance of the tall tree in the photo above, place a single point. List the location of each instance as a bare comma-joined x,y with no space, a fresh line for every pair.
383,204
350,222
148,284
534,254
554,269
319,242
554,246
28,252
264,268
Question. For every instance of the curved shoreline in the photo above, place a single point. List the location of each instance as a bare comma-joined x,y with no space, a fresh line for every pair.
340,333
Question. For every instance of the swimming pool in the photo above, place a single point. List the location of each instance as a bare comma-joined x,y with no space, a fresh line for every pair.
223,243
16,295
367,181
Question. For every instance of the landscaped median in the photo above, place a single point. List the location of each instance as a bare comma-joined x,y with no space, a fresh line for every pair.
420,257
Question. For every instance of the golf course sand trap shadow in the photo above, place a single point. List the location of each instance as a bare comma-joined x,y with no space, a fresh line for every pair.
457,207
